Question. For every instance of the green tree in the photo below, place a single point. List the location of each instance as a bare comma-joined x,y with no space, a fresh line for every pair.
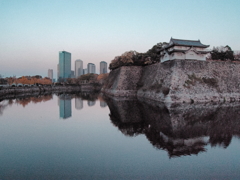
133,58
222,53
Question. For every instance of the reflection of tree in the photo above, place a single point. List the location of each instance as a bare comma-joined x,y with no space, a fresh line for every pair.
180,130
10,102
23,101
220,139
26,100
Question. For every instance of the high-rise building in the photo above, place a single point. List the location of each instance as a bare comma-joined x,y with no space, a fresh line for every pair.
78,68
91,68
58,72
50,74
85,71
103,67
72,74
64,65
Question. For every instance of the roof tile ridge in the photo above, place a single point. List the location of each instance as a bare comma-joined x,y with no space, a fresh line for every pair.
187,40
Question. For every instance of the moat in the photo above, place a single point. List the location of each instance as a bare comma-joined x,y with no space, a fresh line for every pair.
91,136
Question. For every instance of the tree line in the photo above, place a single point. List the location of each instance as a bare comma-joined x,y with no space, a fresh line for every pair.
134,58
224,53
29,80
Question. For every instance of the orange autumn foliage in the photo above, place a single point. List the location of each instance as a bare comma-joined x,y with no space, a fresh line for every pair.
33,80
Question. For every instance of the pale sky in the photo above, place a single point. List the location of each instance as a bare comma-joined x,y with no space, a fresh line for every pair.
32,32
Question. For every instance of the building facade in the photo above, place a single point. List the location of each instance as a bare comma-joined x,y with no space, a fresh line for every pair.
85,71
91,68
103,67
64,65
184,49
58,72
50,74
78,68
72,74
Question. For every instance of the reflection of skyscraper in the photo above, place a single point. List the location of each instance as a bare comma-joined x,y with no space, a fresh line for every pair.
103,67
64,65
65,106
91,68
78,103
91,103
78,68
103,104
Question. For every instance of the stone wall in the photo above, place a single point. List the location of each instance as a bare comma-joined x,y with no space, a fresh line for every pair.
123,81
6,91
178,81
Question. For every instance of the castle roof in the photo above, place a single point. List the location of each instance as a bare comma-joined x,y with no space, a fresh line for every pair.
182,42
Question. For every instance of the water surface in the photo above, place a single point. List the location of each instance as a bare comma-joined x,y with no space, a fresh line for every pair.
86,136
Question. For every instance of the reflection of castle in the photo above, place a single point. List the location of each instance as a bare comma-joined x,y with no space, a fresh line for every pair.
181,130
65,106
78,103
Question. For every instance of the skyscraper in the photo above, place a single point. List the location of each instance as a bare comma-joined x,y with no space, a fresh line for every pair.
85,71
64,65
78,68
58,72
103,67
91,68
50,74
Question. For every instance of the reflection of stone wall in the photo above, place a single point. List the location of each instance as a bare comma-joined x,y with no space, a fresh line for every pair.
126,115
178,81
179,129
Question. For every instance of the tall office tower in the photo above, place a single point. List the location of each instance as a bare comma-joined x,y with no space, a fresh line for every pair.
57,71
91,68
85,71
78,68
50,74
103,67
64,65
72,74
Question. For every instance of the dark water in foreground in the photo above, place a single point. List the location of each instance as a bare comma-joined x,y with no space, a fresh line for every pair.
84,137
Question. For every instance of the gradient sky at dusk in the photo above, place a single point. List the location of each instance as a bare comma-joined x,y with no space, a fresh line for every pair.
32,32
